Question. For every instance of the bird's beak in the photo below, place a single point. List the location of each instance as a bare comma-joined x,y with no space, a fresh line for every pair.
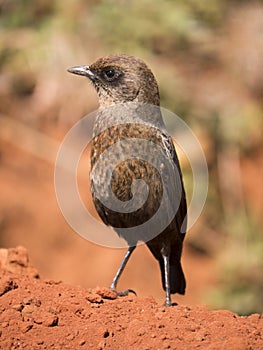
82,70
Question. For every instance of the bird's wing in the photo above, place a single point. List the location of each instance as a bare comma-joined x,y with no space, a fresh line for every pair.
174,182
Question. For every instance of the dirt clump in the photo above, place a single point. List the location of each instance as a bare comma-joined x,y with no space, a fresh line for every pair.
45,314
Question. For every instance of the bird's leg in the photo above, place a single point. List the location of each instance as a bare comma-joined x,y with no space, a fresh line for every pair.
119,272
167,280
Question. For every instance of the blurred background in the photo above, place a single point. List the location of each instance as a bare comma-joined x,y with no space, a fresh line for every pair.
208,59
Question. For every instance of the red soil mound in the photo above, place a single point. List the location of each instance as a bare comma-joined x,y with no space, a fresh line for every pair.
37,314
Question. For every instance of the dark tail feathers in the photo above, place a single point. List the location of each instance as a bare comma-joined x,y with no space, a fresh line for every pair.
177,279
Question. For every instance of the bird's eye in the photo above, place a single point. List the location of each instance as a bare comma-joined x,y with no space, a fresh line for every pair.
110,74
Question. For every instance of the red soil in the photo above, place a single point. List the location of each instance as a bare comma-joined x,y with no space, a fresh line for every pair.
44,314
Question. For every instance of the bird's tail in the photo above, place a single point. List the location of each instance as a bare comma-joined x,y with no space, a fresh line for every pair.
177,279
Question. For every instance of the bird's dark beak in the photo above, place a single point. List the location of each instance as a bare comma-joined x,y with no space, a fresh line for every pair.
82,70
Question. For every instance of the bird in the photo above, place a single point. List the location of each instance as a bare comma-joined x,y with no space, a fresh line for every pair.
130,119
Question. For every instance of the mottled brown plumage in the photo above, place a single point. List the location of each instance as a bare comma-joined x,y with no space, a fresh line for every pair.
122,80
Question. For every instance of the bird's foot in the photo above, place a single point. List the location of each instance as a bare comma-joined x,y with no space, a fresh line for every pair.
169,303
123,293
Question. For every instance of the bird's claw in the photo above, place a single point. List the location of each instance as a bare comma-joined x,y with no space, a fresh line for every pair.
169,303
124,293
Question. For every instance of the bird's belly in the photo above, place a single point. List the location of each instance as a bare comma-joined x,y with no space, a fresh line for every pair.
134,180
129,195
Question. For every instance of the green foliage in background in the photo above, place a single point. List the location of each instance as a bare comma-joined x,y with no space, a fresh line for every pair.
159,27
241,267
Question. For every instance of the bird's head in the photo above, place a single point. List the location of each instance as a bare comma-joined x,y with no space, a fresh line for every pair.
121,78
